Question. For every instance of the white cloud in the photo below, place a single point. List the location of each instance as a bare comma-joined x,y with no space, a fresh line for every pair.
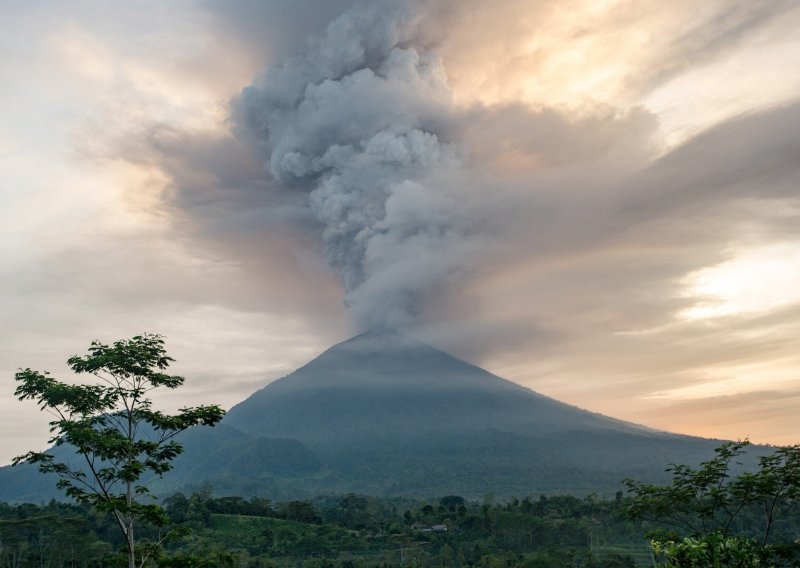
753,281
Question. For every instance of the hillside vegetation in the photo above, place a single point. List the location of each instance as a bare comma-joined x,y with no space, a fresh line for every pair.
349,531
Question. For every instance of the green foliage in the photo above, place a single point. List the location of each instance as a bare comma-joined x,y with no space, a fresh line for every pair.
357,530
300,511
716,514
113,427
713,550
57,534
699,500
451,502
552,531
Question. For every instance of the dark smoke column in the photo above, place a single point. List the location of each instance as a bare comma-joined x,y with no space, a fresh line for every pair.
358,123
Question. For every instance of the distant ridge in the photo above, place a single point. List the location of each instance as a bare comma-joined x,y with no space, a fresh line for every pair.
386,414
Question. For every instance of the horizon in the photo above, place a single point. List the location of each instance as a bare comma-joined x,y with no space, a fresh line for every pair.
598,203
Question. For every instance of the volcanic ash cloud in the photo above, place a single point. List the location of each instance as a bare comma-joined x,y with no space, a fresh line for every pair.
360,125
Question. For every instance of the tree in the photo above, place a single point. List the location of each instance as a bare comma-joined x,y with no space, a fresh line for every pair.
714,550
451,502
300,511
714,515
113,427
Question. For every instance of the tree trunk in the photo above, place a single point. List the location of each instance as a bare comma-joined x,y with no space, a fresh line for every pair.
131,550
129,515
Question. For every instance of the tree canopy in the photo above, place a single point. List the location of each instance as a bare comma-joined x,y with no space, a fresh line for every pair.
715,516
113,427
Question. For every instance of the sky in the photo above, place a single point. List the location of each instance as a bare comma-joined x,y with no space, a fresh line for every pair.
599,201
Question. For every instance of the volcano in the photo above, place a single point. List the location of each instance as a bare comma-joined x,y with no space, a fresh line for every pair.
384,387
389,414
385,414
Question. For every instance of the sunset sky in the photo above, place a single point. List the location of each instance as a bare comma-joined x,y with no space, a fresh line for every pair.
597,200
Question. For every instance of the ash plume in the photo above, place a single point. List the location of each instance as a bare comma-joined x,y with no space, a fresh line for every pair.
427,153
359,123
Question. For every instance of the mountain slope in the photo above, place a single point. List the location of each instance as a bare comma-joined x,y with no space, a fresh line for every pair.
395,415
389,386
385,414
231,461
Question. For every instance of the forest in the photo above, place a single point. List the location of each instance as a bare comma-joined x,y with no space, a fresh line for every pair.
351,530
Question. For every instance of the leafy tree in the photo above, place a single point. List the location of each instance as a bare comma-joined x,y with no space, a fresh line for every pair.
451,502
300,511
713,550
775,487
353,511
445,555
112,425
177,506
707,506
699,501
